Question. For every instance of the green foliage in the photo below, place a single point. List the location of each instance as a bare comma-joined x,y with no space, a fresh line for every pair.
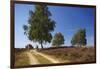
58,39
79,38
25,29
40,25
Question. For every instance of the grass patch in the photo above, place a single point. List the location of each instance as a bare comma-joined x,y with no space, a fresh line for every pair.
21,59
77,54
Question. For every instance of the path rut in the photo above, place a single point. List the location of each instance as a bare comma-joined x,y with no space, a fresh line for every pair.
32,59
45,56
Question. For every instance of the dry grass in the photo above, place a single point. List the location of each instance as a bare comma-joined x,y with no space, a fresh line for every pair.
21,58
73,54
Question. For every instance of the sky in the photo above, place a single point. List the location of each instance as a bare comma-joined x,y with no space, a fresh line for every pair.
68,21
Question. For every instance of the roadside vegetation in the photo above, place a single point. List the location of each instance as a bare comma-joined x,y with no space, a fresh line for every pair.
70,55
21,58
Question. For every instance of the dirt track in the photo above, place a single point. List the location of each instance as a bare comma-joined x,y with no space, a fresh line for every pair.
45,56
32,59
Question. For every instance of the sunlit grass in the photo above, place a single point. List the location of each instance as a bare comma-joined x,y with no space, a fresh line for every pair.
72,54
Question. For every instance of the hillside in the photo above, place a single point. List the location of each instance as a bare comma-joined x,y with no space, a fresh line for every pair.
52,55
73,54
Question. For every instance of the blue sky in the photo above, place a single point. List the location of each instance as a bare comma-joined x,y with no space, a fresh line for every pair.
68,21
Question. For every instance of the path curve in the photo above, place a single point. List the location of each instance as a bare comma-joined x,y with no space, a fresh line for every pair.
45,56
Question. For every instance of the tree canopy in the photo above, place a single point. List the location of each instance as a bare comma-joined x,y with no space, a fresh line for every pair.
40,25
58,39
79,38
